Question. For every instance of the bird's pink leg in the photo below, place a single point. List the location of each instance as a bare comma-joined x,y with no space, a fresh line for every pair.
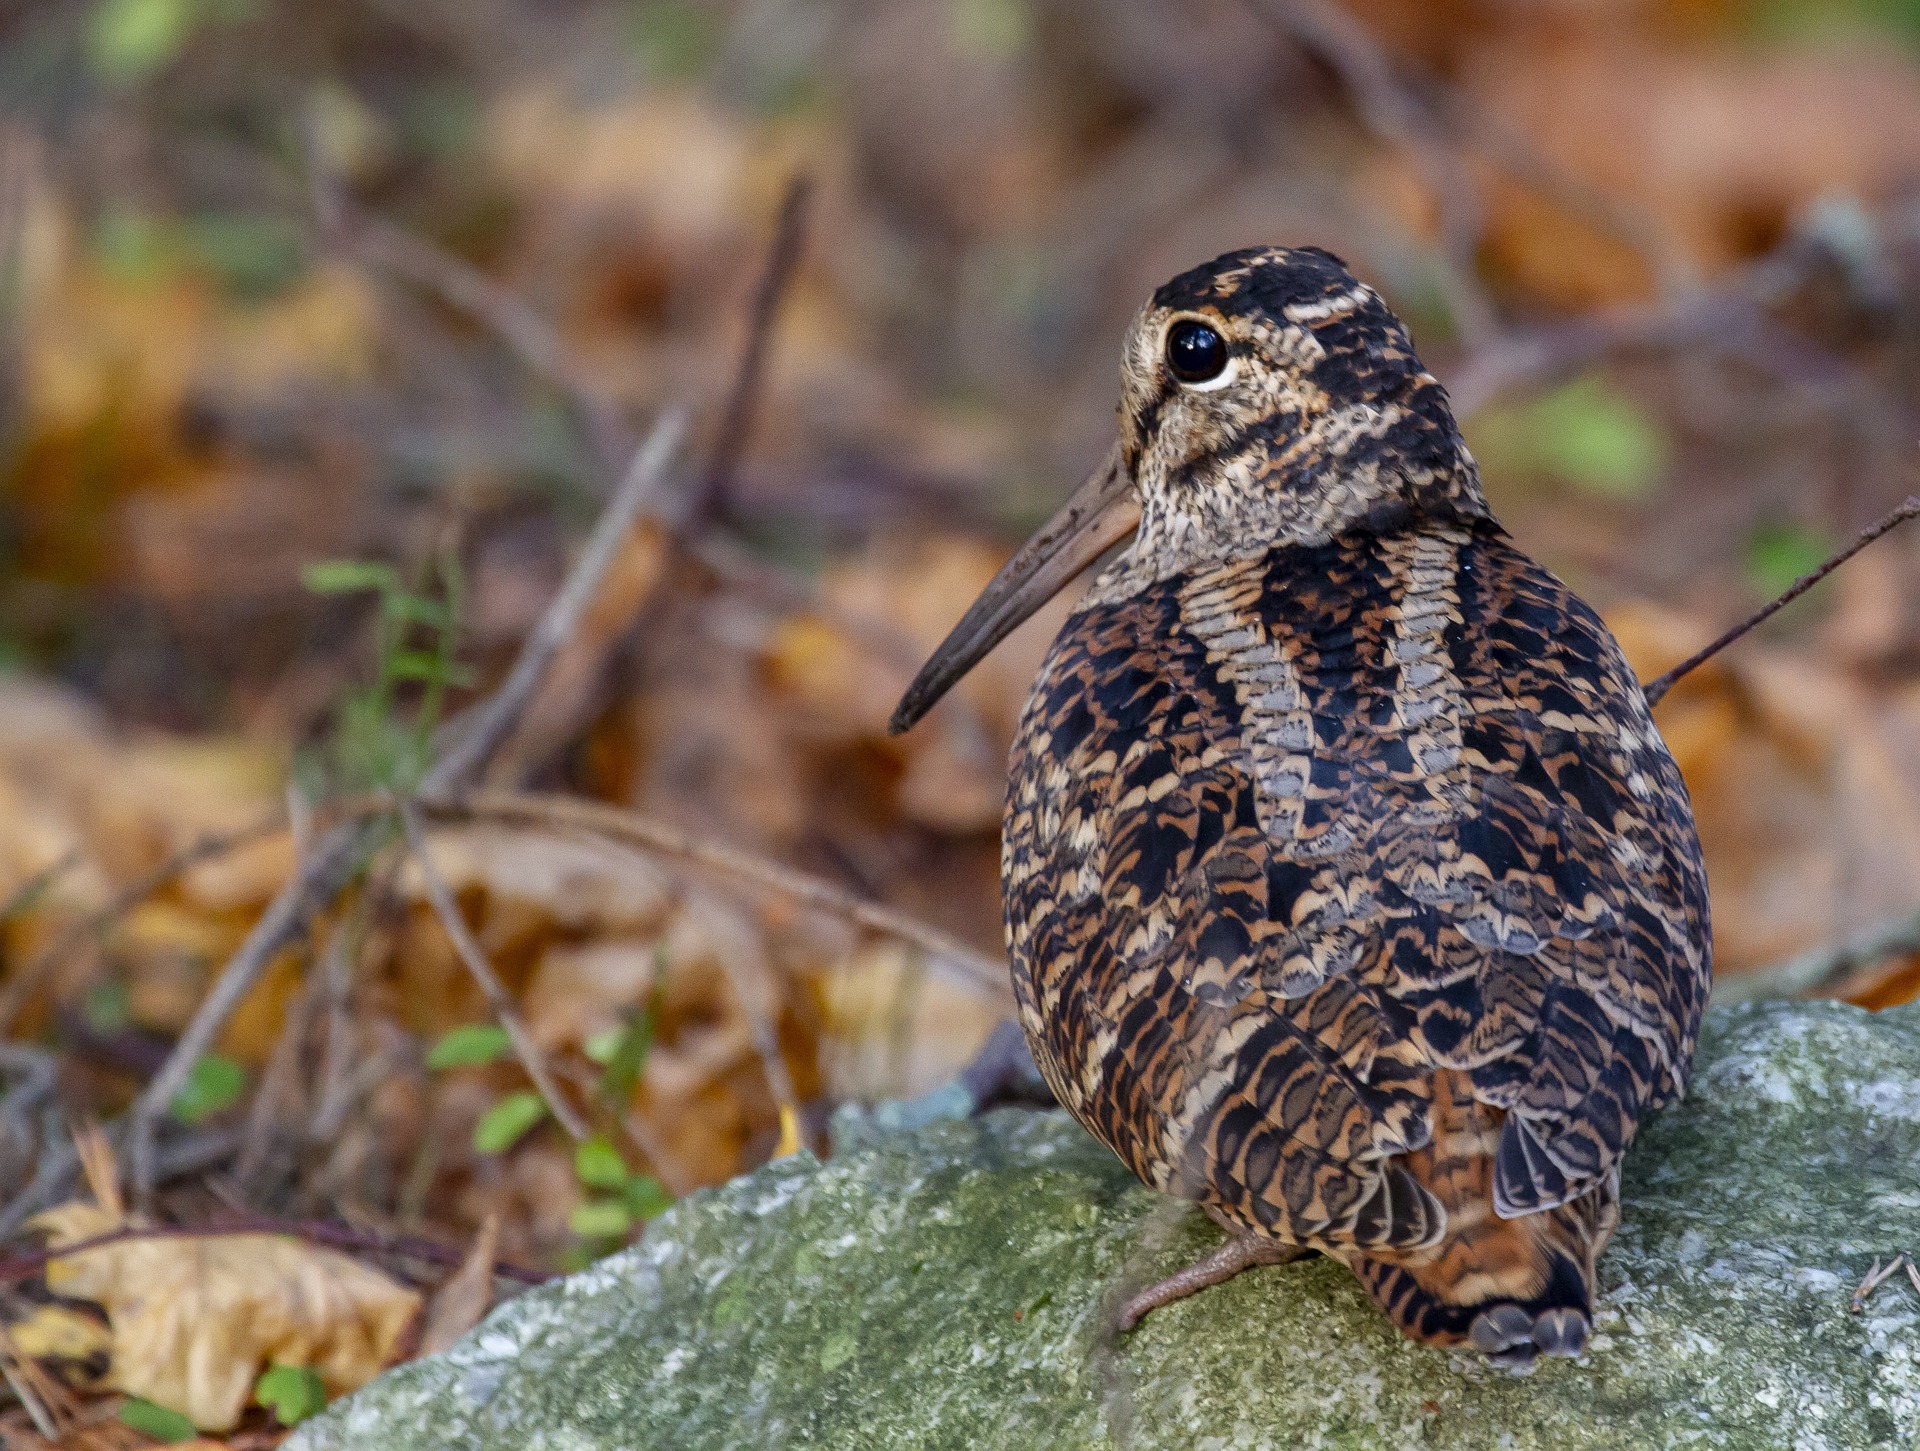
1242,1252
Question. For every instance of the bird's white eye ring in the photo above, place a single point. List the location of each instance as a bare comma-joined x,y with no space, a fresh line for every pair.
1197,355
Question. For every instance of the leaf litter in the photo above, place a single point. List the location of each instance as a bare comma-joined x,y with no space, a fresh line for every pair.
211,403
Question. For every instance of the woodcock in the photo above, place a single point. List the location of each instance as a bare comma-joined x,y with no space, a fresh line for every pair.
1350,890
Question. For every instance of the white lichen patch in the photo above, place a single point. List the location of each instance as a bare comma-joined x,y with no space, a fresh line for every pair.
1895,1098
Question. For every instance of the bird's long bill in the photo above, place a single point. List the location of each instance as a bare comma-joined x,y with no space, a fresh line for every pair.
1101,513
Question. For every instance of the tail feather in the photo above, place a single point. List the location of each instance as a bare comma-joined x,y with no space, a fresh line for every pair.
1513,1288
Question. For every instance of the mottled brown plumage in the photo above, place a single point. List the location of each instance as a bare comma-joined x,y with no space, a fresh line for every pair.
1350,889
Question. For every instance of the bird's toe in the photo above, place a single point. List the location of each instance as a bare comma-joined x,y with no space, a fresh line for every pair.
1502,1328
1511,1336
1561,1332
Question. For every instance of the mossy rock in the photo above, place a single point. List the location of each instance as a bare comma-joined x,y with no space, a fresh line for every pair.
949,1287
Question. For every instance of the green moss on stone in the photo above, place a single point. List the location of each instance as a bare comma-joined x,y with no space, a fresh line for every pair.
949,1288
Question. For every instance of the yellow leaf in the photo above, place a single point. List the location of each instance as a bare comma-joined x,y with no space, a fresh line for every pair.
808,658
195,1318
57,1332
789,1133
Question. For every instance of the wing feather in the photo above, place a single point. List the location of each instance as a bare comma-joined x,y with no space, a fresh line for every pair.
1283,840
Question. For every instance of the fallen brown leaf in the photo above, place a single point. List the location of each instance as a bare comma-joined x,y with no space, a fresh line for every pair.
195,1318
458,1304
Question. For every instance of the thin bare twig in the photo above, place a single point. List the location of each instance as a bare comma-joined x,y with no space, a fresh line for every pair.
469,291
48,1404
277,1083
283,1063
338,855
29,891
487,727
331,1096
18,990
59,1170
499,1000
1410,109
736,417
33,1075
578,685
1656,688
567,814
336,858
1396,115
1729,313
542,350
329,1234
35,1068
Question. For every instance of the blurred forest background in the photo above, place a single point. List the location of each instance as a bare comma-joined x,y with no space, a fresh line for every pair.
327,331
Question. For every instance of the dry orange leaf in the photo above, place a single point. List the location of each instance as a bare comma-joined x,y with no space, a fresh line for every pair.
197,1317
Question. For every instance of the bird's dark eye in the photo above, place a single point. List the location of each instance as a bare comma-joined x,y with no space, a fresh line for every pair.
1195,352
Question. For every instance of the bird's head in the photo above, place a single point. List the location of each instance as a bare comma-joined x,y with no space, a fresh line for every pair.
1267,397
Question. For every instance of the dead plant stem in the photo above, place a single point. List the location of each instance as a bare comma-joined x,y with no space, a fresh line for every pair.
499,1000
339,854
567,814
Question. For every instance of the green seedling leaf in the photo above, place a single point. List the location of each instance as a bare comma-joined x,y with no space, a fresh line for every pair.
1778,554
507,1122
252,256
216,1082
348,576
992,29
156,1421
646,1197
601,1046
676,40
469,1046
413,609
108,1006
427,666
1586,434
1598,440
627,1057
600,1219
128,40
291,1392
598,1165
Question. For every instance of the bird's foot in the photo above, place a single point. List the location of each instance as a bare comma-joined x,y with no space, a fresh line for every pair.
1513,1338
1878,1276
1003,1072
1242,1252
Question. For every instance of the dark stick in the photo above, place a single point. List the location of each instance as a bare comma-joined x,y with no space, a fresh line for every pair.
736,418
326,1233
28,892
1658,687
1391,110
471,292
